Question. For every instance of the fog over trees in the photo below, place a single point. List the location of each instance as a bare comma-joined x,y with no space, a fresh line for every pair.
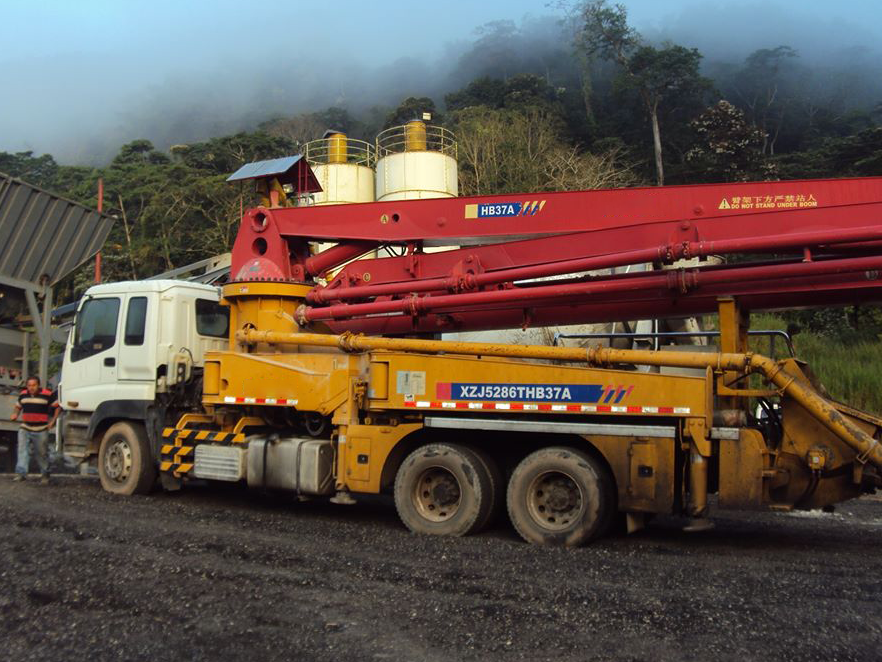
580,99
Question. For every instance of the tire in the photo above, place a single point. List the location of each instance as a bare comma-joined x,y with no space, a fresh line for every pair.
444,489
560,496
125,465
497,485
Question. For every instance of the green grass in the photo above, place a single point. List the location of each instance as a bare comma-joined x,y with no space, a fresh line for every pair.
850,371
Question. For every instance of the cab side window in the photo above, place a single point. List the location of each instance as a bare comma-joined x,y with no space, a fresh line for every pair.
136,321
95,327
212,319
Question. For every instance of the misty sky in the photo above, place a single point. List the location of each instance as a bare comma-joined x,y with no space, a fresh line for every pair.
78,75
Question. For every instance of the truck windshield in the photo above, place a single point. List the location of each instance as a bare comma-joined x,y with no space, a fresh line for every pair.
95,327
212,319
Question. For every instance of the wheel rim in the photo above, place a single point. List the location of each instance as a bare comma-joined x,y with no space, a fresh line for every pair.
555,501
437,494
118,460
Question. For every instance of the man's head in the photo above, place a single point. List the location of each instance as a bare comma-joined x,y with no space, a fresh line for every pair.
33,385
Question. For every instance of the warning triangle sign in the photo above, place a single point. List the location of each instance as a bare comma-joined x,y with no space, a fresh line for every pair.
725,204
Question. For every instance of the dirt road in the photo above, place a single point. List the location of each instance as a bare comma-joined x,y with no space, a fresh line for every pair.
210,574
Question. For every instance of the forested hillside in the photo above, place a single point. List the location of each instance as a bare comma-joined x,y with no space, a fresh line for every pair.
554,104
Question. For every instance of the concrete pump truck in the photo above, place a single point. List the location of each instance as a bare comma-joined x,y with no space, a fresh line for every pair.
319,373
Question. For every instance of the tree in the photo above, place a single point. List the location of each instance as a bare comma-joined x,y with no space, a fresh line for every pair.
517,93
172,211
541,47
657,75
857,155
605,32
298,129
412,108
227,154
507,151
727,148
304,127
483,91
340,119
496,47
567,169
139,152
37,170
481,137
763,89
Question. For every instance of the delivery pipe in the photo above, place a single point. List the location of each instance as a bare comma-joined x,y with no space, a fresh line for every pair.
681,280
867,448
666,254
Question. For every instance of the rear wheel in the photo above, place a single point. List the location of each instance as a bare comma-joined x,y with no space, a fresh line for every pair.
497,484
124,462
560,496
444,489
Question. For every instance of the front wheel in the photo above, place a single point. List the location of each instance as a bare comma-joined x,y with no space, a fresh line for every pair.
124,462
560,496
444,489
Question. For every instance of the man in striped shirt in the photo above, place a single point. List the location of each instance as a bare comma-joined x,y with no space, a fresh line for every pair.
39,409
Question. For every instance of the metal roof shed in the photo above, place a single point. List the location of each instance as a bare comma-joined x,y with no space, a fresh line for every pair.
291,170
43,238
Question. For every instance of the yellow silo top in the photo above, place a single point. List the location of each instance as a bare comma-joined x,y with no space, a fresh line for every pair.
415,136
337,148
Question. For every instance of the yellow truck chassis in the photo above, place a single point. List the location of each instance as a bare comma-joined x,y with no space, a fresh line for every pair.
565,438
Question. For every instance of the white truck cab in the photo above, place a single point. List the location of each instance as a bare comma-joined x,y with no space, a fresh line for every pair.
135,355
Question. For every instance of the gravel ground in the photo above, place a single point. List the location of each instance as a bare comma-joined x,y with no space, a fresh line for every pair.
213,573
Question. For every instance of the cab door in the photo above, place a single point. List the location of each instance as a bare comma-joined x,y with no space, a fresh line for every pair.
90,371
136,354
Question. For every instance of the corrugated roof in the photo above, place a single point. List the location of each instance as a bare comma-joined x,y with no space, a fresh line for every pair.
293,170
265,168
44,234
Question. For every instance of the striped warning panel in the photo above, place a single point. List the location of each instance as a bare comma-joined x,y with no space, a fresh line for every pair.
176,453
177,457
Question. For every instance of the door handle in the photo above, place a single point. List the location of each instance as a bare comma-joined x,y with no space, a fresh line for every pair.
110,361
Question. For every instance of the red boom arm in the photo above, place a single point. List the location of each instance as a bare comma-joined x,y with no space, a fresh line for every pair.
824,236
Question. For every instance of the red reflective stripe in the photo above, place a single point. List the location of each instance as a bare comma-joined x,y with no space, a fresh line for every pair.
542,406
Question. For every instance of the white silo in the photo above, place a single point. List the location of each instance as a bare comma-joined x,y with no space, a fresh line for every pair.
344,168
416,161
